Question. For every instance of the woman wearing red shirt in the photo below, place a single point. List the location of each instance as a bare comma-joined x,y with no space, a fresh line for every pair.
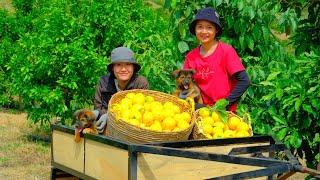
219,71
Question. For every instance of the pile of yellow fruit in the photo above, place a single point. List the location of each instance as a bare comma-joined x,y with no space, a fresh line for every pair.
145,112
211,125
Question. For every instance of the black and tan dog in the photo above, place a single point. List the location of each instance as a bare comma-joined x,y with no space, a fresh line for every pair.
85,123
185,85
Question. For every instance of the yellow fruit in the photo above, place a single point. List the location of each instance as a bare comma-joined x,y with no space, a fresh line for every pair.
158,116
178,117
138,107
149,99
183,125
136,114
168,113
218,135
130,95
219,124
204,112
125,103
168,105
134,122
139,98
215,116
168,124
242,134
156,126
186,117
147,106
229,134
176,129
242,126
208,120
176,109
207,128
147,118
233,122
217,130
125,115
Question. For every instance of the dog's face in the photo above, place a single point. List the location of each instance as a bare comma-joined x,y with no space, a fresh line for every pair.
184,78
84,119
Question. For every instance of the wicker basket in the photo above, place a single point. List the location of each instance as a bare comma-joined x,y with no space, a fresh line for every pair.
196,134
122,130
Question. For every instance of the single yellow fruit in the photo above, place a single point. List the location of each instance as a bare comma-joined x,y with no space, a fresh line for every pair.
215,116
176,109
207,128
204,112
149,99
139,98
233,122
168,124
242,134
183,125
168,105
130,95
168,113
219,124
147,118
218,135
217,130
156,126
229,134
186,117
208,120
242,126
134,122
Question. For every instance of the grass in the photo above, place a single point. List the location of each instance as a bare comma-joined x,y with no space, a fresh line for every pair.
21,155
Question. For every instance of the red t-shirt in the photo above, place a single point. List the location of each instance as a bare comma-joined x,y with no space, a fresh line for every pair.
214,72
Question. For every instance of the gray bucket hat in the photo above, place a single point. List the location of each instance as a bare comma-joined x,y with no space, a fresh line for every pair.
208,14
123,54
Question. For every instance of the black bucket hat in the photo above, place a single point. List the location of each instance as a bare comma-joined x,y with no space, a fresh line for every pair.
123,54
208,14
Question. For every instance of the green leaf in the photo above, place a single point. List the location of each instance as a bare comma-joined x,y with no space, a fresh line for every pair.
273,75
297,104
280,120
183,47
221,105
266,83
282,133
307,108
295,139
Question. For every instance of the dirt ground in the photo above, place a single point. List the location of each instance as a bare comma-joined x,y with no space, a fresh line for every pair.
23,157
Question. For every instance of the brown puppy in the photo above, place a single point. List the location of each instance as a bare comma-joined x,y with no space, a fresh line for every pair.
85,123
185,85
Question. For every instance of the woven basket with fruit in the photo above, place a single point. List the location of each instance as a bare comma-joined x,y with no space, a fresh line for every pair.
143,116
215,122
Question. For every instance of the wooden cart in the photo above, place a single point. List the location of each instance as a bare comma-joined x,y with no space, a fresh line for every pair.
102,157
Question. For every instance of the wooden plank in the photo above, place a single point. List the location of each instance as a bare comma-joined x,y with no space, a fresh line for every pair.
225,149
103,161
66,151
151,166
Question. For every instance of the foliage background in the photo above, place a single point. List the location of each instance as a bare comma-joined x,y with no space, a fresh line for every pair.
52,53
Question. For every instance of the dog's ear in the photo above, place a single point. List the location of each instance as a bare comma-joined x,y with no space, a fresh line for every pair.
76,114
176,73
192,71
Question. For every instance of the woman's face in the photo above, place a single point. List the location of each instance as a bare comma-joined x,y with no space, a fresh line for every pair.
205,31
123,71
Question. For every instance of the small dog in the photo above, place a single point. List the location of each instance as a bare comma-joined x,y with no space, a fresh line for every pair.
85,123
185,85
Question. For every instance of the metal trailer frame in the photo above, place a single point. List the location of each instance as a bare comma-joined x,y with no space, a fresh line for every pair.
271,166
